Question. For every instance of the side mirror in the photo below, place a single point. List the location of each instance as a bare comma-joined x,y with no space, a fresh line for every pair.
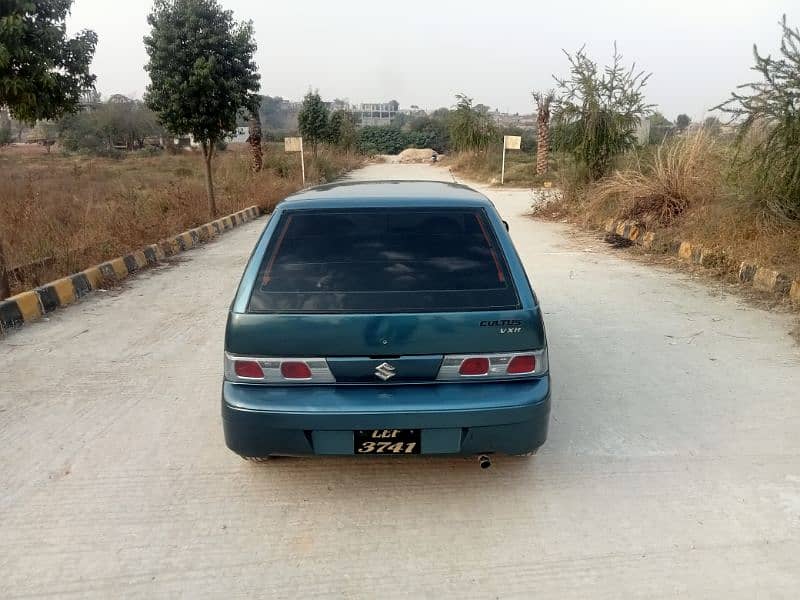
506,224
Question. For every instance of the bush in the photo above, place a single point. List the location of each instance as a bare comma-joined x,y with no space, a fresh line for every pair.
683,172
770,131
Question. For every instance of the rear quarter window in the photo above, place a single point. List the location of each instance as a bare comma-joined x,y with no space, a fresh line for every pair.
383,260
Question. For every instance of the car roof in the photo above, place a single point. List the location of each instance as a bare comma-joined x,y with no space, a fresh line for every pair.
388,193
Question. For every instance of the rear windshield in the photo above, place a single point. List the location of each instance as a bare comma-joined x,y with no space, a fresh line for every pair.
383,260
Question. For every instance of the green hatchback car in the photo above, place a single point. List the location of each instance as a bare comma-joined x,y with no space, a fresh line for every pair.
385,318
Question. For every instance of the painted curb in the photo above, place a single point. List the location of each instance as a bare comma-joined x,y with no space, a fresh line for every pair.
761,278
33,304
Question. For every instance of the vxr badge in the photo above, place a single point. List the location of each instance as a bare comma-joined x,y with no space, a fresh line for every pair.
385,371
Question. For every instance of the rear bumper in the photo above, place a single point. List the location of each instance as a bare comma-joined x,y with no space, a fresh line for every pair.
474,418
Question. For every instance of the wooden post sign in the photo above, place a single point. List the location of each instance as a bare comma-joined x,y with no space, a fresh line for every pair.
510,142
295,144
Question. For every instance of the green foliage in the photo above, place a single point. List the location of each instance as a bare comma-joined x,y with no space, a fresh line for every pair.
5,133
432,131
120,124
682,121
42,72
769,136
313,120
713,126
660,128
471,127
342,131
391,140
201,68
275,117
202,72
599,110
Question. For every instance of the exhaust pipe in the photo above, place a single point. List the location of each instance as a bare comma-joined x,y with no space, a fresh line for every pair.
484,461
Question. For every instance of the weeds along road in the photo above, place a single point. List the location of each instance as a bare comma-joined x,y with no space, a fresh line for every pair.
672,468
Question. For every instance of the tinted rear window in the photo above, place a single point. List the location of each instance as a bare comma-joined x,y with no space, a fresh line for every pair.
383,260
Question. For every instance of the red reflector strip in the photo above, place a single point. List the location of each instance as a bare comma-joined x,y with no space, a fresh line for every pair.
474,366
522,364
295,370
248,368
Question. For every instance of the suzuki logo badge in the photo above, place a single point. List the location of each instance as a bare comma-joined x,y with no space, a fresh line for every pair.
385,371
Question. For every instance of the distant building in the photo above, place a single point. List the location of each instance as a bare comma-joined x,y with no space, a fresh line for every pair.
380,114
503,119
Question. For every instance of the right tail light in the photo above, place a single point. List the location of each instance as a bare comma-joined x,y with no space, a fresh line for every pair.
511,365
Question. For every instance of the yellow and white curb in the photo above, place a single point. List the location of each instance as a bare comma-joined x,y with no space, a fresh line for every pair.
761,278
31,305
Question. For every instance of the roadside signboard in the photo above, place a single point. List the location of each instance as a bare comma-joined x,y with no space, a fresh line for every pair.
510,142
295,144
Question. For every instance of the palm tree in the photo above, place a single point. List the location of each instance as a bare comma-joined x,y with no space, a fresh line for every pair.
543,101
254,139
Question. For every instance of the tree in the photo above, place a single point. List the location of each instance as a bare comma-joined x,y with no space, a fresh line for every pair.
202,73
769,134
660,128
543,101
313,120
471,127
254,139
682,122
600,111
713,126
42,71
342,130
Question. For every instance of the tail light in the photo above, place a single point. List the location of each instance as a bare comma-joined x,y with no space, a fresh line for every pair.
245,369
513,365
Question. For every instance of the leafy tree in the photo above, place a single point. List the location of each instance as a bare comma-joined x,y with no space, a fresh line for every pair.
433,130
42,71
202,73
660,128
769,135
543,102
682,122
600,110
342,130
119,124
313,120
471,127
712,125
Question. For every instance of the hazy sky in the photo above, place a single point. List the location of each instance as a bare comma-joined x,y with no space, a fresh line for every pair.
424,52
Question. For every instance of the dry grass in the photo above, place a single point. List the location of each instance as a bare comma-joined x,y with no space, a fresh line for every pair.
485,167
60,214
681,174
686,190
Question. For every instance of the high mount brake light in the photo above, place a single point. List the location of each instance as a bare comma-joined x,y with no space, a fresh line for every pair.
511,365
261,370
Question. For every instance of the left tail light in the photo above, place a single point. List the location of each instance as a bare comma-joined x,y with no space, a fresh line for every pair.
248,369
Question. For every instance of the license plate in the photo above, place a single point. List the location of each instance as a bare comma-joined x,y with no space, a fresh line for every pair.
386,441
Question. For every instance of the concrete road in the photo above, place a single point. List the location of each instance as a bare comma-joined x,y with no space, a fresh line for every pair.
672,469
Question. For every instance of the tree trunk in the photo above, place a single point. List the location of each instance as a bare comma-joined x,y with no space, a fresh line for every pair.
254,139
208,154
5,286
542,148
543,101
